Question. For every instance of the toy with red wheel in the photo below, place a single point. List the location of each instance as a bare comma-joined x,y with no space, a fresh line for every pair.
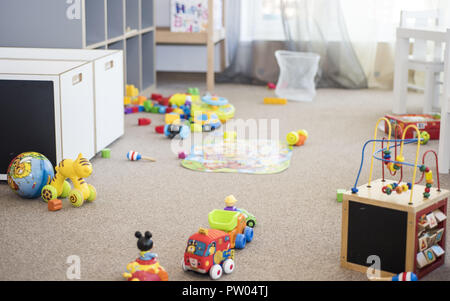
209,252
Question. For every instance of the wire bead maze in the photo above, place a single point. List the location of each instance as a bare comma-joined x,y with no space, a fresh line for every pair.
394,163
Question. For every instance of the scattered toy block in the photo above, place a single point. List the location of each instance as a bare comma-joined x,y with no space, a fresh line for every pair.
135,109
275,101
128,110
127,100
141,100
156,96
171,118
160,129
106,153
148,105
340,195
144,121
54,205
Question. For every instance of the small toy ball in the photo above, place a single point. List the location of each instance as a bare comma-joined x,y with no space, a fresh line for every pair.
182,155
271,86
28,173
425,137
297,138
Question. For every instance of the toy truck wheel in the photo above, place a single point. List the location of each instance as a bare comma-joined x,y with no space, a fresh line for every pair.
93,193
248,232
251,223
166,130
76,198
215,272
228,266
66,190
183,266
49,193
240,241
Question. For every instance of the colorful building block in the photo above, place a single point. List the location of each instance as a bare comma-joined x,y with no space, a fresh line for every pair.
275,101
340,195
106,153
144,121
171,118
54,205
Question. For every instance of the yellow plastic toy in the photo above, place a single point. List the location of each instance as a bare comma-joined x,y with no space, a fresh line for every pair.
76,171
297,138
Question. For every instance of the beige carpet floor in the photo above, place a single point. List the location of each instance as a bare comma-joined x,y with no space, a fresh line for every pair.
299,221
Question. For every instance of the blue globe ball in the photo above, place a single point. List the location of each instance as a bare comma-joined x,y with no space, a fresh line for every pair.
28,173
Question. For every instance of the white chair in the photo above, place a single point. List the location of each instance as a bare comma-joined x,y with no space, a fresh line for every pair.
444,139
423,58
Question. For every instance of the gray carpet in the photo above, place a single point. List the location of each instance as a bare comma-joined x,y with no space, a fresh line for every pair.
299,229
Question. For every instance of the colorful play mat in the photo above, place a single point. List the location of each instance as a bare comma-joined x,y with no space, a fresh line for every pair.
239,156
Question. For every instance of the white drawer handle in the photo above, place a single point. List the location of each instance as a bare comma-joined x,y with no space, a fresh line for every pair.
76,79
109,65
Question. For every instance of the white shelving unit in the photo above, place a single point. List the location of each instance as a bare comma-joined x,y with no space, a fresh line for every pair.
126,25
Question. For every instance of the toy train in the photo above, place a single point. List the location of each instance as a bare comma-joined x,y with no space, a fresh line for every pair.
212,251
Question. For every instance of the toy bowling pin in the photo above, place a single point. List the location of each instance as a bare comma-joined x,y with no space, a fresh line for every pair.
135,156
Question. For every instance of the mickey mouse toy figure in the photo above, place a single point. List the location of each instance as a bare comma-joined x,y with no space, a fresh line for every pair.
145,244
146,267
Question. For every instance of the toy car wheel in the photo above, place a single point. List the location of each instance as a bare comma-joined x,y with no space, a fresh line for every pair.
49,193
215,272
76,198
207,128
240,241
184,132
248,232
251,223
183,266
93,193
228,266
66,190
166,130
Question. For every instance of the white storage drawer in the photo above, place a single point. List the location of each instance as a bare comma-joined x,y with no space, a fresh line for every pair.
108,75
47,107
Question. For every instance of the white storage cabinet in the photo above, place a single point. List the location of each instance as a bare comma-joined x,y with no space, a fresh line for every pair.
47,107
108,84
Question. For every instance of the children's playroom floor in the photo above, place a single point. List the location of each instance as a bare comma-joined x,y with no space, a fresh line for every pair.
298,235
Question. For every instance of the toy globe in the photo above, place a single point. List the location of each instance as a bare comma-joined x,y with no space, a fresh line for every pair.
28,173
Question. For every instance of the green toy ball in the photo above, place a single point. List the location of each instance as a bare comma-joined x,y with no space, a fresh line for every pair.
425,137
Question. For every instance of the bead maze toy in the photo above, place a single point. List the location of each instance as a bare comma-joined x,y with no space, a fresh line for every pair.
146,267
209,252
135,156
385,217
76,171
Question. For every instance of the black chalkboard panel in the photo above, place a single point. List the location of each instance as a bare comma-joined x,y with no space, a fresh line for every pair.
27,120
377,231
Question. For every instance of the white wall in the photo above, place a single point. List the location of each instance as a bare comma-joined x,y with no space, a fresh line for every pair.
181,58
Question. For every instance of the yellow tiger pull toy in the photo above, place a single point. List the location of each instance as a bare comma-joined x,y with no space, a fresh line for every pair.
75,171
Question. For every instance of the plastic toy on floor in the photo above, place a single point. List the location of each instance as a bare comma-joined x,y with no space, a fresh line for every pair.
400,277
219,105
135,156
209,121
177,129
297,138
28,173
75,170
234,223
230,202
146,267
209,252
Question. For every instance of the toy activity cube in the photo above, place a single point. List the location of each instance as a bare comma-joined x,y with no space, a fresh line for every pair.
374,223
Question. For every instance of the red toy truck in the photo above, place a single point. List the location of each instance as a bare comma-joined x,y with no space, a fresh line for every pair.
209,251
428,123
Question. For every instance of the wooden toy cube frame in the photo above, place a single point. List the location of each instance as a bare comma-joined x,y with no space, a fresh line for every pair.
373,200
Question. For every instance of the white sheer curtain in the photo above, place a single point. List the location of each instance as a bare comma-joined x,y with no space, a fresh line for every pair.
371,25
